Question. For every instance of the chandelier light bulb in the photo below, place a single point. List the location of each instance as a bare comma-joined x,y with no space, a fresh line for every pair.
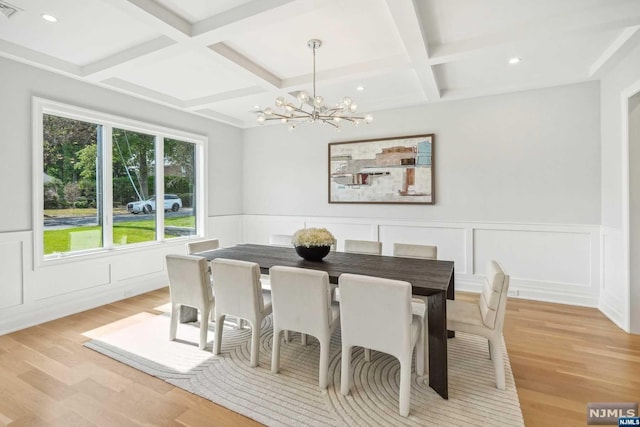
289,108
268,112
353,107
280,102
368,118
261,119
347,101
303,97
284,120
318,101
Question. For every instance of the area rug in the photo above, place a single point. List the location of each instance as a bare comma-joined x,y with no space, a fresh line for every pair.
292,397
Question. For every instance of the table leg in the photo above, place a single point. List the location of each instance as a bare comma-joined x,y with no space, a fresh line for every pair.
451,294
188,314
438,370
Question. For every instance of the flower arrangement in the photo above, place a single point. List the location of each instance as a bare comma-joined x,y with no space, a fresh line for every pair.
309,237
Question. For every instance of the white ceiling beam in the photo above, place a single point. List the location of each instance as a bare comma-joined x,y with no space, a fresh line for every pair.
244,17
588,21
614,50
156,16
106,67
205,101
210,114
250,16
410,28
143,92
37,59
349,72
263,77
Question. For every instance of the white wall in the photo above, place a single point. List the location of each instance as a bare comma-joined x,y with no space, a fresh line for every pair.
525,157
29,295
517,179
615,292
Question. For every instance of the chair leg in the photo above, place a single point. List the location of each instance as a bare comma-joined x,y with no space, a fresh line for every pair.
219,327
420,354
345,375
498,365
425,344
367,355
303,339
324,362
405,386
204,327
286,337
255,343
173,325
275,351
490,350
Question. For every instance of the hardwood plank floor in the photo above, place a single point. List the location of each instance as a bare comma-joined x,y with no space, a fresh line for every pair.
562,357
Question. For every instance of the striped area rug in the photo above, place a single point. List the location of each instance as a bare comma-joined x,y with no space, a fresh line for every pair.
292,397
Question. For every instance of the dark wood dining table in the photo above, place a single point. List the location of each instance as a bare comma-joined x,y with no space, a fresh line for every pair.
433,279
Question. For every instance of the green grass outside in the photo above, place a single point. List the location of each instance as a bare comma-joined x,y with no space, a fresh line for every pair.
134,231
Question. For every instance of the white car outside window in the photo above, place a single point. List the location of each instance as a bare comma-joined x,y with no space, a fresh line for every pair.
171,202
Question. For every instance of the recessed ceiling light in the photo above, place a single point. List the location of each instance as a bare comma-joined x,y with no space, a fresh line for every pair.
514,60
49,18
360,88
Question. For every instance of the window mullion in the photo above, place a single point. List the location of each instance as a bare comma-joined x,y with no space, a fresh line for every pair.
107,186
159,160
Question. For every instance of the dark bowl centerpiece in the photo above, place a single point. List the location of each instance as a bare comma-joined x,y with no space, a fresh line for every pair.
313,244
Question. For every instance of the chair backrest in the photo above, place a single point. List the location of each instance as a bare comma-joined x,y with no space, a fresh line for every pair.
363,247
202,245
188,279
301,298
407,250
281,240
493,300
375,313
237,287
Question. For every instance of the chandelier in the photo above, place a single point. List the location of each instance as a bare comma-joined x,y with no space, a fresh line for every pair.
312,109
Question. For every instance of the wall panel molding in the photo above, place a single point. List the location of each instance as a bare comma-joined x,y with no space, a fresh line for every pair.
547,262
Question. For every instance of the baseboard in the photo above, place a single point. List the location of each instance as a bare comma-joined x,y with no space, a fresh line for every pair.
46,310
610,308
521,290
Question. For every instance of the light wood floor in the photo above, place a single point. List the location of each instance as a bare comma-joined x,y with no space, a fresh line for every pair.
562,358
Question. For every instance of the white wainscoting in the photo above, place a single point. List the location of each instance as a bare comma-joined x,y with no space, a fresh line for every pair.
614,292
555,263
31,294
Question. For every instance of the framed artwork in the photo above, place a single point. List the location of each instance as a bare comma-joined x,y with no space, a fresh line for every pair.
385,170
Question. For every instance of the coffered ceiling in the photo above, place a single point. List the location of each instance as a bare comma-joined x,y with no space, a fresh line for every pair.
222,58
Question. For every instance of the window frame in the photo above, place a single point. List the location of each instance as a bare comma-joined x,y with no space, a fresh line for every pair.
42,106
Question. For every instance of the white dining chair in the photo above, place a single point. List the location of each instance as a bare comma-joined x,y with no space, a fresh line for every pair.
239,293
486,318
406,250
189,286
376,313
366,247
363,247
301,301
202,246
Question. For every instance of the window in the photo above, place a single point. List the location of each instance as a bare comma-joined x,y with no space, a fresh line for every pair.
109,182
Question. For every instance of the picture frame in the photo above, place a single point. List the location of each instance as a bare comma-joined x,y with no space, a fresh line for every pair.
394,170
